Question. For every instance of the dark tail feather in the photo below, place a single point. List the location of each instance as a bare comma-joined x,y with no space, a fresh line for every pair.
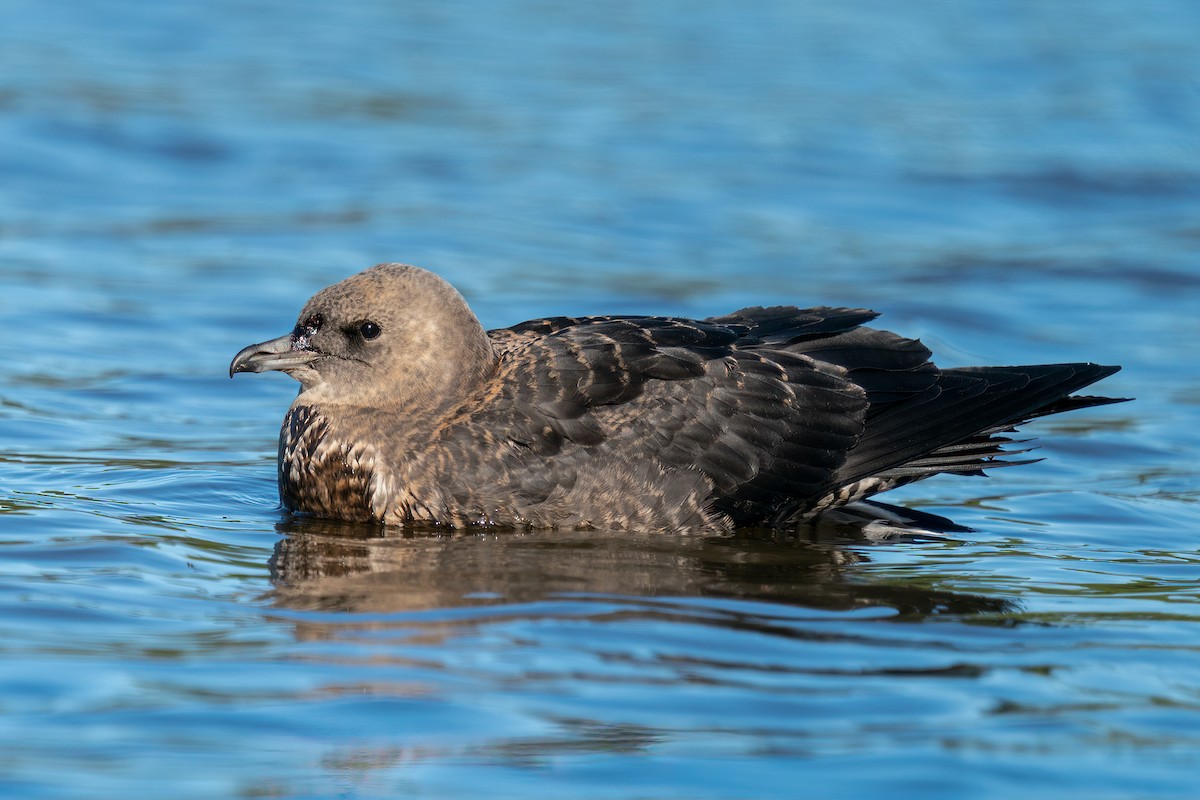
949,427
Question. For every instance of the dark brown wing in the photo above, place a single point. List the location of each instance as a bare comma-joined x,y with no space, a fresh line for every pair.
762,425
782,410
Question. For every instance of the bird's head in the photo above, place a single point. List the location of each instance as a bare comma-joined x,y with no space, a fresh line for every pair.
389,336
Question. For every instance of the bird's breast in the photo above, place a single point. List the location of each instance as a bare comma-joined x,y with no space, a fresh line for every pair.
318,473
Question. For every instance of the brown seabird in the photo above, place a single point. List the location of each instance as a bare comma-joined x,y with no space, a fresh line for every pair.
410,412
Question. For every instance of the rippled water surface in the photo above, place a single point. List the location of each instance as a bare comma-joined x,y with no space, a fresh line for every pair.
1010,182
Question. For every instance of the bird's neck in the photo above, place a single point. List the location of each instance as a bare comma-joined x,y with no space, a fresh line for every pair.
442,378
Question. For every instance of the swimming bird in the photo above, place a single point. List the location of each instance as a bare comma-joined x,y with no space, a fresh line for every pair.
410,413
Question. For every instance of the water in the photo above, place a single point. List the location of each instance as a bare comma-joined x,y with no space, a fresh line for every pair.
1011,183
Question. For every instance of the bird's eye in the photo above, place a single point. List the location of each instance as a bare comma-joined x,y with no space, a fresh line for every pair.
369,330
314,322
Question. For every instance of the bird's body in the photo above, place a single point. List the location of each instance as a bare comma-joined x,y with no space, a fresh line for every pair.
410,412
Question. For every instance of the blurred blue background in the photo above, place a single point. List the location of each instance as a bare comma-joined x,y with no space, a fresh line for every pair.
1012,182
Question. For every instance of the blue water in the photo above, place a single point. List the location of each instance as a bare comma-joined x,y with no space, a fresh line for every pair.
1010,182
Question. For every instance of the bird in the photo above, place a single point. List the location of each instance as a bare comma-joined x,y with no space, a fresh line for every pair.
411,414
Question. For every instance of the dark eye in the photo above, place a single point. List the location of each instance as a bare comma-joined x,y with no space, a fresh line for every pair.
369,330
314,323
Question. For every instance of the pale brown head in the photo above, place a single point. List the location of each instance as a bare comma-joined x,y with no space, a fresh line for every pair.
392,336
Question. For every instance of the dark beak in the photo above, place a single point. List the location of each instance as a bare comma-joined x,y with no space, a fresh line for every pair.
279,354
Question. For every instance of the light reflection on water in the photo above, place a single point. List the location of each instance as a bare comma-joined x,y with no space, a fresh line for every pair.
1009,184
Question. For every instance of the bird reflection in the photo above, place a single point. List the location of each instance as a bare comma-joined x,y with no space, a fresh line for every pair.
357,567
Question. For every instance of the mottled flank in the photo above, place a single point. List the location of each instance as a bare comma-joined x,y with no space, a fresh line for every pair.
410,412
